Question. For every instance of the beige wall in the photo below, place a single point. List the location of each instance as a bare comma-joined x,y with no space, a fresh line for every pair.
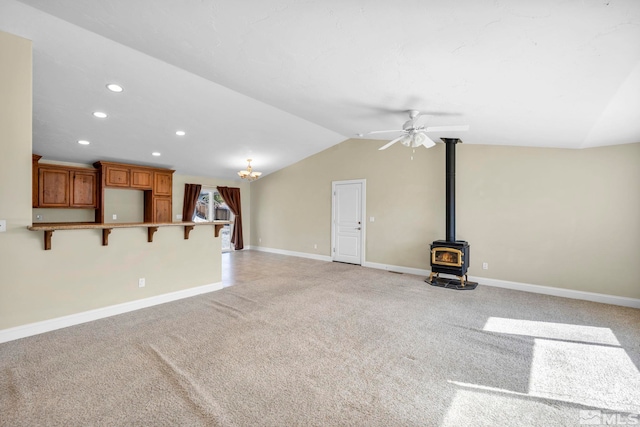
552,217
292,207
78,274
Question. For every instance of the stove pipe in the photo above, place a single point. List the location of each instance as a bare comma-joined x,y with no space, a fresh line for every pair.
450,144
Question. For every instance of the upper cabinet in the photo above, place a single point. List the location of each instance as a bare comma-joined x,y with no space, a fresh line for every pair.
57,186
126,176
115,176
141,179
84,189
163,183
53,187
156,183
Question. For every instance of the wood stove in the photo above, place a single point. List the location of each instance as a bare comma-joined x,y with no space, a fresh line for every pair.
450,256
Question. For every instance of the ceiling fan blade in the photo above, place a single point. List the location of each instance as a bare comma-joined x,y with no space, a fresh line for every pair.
460,128
384,147
383,131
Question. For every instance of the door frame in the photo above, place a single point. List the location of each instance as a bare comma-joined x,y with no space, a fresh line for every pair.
363,213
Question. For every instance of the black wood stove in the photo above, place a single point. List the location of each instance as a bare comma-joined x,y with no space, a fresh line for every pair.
450,256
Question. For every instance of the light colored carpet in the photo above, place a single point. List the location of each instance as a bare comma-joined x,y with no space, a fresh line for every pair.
303,342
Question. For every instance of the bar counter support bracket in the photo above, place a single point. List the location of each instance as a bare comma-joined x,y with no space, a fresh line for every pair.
47,239
151,232
105,236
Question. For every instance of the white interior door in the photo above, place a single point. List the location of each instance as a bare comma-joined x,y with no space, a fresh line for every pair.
348,221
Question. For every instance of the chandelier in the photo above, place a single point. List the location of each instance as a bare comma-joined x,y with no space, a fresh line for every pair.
249,173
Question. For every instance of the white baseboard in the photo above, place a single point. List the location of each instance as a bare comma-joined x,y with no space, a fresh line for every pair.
100,313
397,268
292,253
559,292
526,287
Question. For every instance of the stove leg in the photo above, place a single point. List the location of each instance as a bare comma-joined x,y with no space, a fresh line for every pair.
463,279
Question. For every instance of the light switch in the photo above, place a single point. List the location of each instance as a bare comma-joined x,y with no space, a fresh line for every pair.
115,216
371,219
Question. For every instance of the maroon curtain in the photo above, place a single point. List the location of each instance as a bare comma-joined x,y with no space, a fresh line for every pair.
231,196
191,195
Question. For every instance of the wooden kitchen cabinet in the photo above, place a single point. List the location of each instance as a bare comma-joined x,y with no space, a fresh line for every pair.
116,176
163,183
53,187
65,187
141,178
162,209
83,190
157,184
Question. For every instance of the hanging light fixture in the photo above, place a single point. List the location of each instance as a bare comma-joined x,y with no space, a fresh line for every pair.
416,139
249,173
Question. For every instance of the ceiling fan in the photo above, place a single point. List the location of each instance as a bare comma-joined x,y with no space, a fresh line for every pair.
414,134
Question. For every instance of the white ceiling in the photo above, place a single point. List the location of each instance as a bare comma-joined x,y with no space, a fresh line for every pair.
279,80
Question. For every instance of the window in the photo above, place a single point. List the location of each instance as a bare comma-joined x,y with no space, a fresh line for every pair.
211,207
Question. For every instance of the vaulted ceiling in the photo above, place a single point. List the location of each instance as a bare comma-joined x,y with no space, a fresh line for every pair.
279,80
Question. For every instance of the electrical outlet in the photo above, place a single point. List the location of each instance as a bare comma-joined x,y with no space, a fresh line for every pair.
259,239
39,218
115,216
141,282
3,225
178,216
315,246
371,219
485,265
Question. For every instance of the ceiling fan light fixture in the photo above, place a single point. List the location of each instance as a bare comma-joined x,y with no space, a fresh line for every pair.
429,143
418,139
249,174
406,141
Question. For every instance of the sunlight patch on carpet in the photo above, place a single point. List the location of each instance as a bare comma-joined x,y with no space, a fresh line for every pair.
592,375
558,331
570,365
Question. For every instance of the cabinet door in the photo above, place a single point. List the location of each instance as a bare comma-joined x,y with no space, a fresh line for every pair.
140,179
163,184
84,189
117,176
162,209
53,188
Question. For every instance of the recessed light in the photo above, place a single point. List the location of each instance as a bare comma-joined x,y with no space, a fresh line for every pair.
114,87
155,153
83,142
100,114
180,133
